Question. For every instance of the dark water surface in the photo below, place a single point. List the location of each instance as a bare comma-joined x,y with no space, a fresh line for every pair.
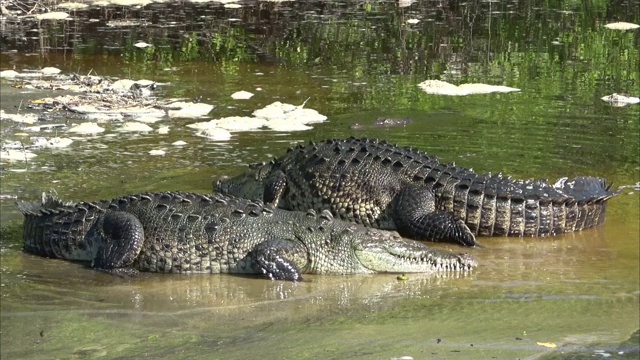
357,62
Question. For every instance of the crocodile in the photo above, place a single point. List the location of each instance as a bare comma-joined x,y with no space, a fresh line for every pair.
176,232
382,185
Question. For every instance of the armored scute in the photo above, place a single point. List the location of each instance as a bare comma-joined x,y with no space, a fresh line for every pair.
381,185
191,233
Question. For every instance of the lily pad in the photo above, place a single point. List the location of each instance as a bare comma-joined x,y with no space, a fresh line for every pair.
16,145
438,87
54,15
122,84
157,152
9,74
231,123
86,128
305,116
241,123
215,134
134,126
274,110
142,45
241,95
148,118
619,100
50,71
55,142
188,109
16,155
622,26
286,125
19,118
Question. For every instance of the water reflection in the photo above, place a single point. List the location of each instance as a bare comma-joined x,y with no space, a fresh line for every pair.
357,62
527,283
59,285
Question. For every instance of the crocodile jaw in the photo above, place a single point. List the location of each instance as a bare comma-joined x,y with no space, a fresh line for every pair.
399,255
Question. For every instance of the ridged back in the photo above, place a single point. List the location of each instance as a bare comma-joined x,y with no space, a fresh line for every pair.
57,229
490,204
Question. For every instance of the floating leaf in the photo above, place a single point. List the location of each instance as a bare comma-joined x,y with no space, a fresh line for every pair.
9,74
50,71
547,344
55,142
19,118
622,26
619,100
285,125
134,126
188,109
16,155
122,84
86,128
215,134
142,45
241,95
158,152
55,15
438,87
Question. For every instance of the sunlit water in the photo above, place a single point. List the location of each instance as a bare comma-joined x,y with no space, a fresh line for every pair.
579,292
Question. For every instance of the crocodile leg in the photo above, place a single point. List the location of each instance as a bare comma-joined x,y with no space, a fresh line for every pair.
275,187
121,236
280,259
416,217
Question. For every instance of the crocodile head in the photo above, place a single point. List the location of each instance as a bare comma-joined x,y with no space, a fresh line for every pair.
356,249
249,185
384,251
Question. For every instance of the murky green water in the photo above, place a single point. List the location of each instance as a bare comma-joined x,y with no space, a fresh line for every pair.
357,62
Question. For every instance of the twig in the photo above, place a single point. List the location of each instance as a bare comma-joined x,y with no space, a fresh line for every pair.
34,7
18,5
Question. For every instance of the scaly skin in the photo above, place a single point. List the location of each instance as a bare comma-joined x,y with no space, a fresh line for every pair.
382,185
191,233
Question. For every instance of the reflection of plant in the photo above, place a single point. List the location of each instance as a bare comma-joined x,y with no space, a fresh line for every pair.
557,52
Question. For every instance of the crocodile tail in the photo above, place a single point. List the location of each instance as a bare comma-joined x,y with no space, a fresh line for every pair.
495,205
50,201
57,229
586,188
588,201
